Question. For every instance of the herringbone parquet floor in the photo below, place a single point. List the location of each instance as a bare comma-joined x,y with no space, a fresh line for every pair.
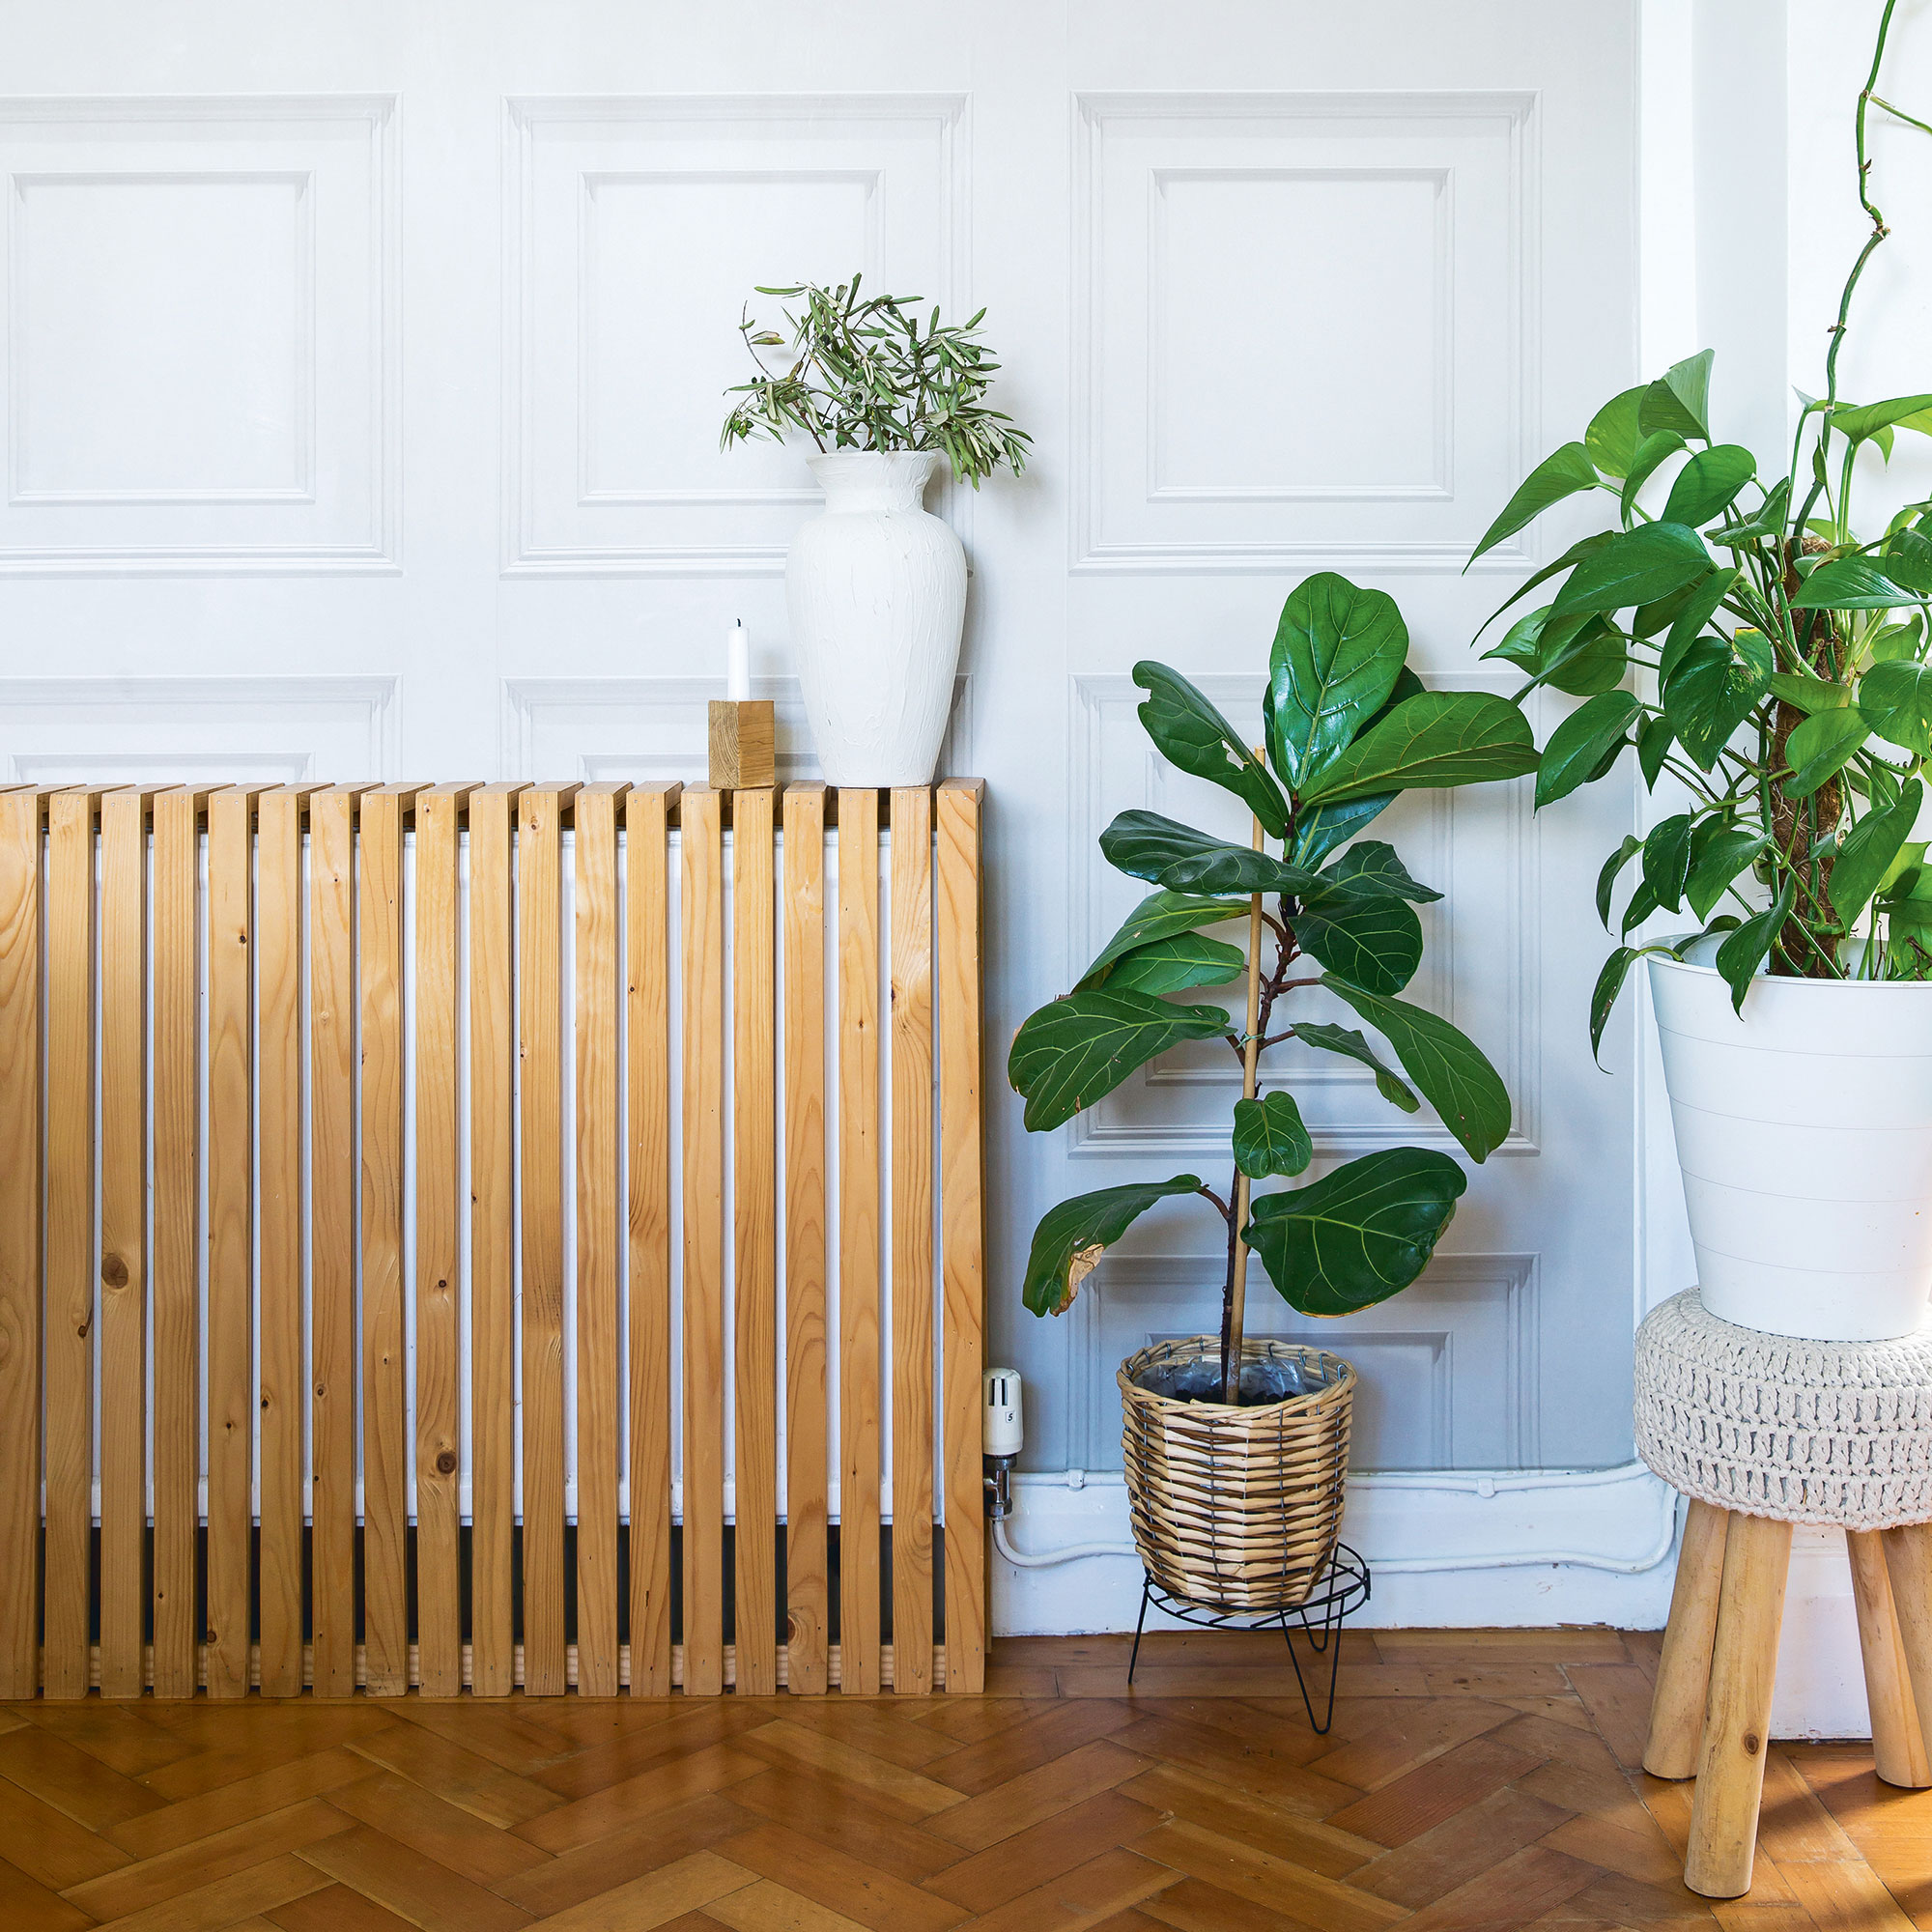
1471,1780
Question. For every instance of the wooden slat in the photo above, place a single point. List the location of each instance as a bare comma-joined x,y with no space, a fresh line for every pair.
962,1228
755,1245
597,1238
231,1243
703,979
912,1239
540,1022
808,1618
385,1502
333,1246
647,1075
124,1237
70,1239
278,1084
437,1355
21,813
175,1264
493,1266
859,1361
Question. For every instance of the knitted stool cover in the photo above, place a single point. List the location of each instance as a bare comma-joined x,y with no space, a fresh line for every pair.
1805,1432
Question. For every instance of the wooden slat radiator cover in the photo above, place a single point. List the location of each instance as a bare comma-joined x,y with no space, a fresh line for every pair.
520,1234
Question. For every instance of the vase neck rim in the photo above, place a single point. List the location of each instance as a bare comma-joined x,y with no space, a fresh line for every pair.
874,479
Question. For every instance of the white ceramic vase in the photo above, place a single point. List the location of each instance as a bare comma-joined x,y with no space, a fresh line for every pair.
876,589
1804,1133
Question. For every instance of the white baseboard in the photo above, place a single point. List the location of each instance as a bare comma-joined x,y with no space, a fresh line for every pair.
1468,1549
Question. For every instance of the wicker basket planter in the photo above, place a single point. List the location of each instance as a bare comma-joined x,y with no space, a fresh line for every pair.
1237,1507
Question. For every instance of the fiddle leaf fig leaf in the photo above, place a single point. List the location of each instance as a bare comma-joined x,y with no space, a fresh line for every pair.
1370,870
1321,828
1071,1237
1443,1062
1557,476
1176,964
1578,747
1159,916
1867,852
1376,943
1354,1046
1435,739
1359,1235
1338,652
1081,1046
1179,859
1192,735
1270,1136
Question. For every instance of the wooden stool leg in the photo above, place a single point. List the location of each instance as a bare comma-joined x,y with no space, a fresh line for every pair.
1907,1564
1684,1672
1898,1741
1743,1665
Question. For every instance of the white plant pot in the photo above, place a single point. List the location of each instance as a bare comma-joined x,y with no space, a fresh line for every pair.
1804,1133
877,588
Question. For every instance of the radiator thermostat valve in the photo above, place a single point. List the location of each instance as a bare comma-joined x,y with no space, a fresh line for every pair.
1002,1436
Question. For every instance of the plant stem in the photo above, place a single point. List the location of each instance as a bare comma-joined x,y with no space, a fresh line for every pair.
1235,1313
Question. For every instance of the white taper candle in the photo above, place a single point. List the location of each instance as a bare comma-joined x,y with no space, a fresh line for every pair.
738,662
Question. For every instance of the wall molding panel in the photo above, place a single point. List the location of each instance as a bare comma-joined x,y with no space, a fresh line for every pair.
1478,848
612,395
1198,450
202,335
172,730
643,729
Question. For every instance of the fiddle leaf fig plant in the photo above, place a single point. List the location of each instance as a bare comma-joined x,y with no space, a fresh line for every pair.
1782,660
1347,727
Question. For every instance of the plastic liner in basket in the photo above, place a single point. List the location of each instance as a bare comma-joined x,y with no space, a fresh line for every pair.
1270,1380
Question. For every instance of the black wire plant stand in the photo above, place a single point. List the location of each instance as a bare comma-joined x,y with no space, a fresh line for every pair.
1341,1587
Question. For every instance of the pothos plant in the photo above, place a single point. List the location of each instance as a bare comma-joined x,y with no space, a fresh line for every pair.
1781,660
1347,727
867,374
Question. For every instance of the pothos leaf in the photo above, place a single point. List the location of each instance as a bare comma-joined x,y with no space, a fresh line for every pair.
1606,879
1070,1238
1749,946
1557,476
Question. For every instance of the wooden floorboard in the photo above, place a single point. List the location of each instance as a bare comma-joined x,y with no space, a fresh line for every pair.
1473,1781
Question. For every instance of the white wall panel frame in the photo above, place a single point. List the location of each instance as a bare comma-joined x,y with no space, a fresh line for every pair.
334,160
174,730
903,156
1125,515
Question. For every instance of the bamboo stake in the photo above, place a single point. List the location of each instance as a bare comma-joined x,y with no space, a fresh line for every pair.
1237,1290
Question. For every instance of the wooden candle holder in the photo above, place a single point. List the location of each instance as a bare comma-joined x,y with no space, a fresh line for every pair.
744,744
